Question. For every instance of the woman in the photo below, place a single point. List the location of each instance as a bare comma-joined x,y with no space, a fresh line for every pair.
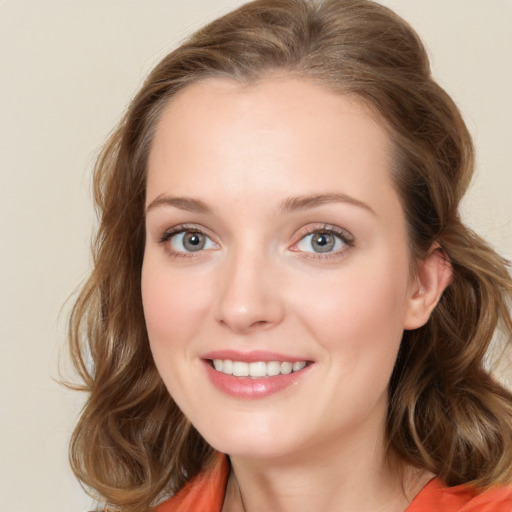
286,311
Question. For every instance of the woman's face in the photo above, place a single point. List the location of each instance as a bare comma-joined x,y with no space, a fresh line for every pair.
275,236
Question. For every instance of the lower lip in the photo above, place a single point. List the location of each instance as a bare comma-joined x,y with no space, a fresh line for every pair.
252,388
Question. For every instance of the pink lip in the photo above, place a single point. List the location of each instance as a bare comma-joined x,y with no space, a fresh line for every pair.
248,388
251,357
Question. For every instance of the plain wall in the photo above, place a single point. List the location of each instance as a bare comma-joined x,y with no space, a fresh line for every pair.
67,71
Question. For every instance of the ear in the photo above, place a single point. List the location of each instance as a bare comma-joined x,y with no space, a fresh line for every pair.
433,275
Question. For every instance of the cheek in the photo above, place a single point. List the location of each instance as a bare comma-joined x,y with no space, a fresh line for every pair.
172,306
360,312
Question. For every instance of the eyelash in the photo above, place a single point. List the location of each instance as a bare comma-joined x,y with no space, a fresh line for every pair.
168,235
344,236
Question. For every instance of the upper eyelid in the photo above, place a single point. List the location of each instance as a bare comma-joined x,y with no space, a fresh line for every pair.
301,233
326,228
166,237
347,239
183,228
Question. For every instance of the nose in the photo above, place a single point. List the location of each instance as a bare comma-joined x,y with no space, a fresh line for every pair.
249,296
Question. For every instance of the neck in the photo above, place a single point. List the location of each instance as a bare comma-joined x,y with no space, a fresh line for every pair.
355,476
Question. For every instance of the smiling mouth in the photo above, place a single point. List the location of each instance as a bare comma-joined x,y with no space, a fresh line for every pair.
257,369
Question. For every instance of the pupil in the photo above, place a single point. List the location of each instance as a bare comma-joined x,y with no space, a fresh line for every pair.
323,242
193,241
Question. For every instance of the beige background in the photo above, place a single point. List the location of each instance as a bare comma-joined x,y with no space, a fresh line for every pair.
67,70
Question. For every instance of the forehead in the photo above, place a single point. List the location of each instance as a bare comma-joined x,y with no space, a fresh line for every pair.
283,132
229,102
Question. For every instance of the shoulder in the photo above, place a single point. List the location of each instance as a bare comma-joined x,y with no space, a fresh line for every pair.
203,493
461,498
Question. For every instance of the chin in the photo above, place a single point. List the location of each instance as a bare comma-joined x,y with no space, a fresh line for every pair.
250,449
257,441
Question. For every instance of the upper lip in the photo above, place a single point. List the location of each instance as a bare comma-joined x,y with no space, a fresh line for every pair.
252,356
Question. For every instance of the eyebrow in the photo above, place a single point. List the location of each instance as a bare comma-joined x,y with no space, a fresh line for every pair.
313,201
290,204
187,204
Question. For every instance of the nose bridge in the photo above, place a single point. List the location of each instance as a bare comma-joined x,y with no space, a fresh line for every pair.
248,298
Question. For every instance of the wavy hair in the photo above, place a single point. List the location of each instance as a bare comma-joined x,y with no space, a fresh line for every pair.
446,413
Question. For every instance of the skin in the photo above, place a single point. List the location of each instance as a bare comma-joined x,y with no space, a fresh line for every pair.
259,284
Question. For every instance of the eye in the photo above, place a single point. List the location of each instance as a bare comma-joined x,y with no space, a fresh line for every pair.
187,241
330,241
320,242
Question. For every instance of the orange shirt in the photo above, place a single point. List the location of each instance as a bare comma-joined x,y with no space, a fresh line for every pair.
205,493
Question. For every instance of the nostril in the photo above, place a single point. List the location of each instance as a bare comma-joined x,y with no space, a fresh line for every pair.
243,323
260,323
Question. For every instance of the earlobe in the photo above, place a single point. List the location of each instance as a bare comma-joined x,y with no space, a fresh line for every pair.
433,275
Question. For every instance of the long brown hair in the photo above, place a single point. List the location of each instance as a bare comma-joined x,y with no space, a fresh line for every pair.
446,413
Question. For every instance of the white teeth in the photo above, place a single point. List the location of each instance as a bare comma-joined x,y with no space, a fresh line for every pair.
257,369
273,368
298,366
227,367
240,369
286,368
